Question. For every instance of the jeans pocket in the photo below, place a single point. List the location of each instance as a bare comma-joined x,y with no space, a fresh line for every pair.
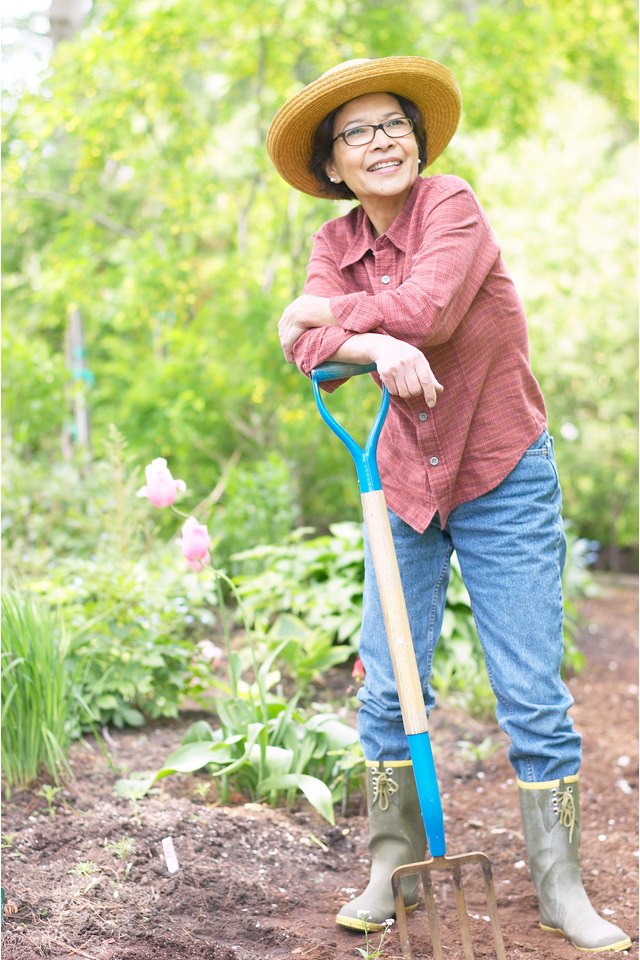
542,447
542,450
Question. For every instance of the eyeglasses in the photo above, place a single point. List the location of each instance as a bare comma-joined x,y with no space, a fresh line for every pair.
359,136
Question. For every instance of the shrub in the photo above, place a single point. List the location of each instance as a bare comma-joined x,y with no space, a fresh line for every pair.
318,579
257,506
134,626
86,543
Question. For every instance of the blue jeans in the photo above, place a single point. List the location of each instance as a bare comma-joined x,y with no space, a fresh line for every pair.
511,548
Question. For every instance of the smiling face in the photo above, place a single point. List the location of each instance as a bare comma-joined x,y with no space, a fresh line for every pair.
380,173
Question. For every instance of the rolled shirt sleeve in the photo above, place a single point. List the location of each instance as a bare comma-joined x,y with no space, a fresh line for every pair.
319,343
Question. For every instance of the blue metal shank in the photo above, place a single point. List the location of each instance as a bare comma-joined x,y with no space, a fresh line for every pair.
428,794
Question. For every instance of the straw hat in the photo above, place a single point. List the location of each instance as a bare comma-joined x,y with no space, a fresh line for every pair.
430,85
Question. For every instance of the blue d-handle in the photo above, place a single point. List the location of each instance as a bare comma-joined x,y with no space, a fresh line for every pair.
364,459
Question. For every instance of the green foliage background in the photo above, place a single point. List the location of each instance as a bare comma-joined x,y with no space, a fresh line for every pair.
137,191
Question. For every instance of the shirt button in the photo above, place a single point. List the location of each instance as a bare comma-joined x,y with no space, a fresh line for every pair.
423,416
386,279
434,461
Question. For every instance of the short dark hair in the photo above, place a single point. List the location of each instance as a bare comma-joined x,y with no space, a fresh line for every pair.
322,149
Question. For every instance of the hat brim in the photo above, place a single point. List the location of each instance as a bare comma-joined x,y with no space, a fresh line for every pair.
430,85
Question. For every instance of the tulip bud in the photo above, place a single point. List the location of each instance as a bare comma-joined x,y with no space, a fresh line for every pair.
160,488
195,543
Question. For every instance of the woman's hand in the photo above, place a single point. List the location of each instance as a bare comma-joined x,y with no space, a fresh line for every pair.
405,371
303,313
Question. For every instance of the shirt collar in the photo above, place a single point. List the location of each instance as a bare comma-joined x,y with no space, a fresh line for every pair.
363,238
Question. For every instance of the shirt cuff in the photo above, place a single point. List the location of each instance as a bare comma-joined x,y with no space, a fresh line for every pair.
317,345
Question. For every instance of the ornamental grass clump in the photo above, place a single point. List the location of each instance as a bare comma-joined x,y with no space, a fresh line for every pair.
37,698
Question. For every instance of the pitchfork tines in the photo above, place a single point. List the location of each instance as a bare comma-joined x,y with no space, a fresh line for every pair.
453,866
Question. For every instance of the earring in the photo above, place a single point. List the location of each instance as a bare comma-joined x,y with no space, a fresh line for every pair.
333,179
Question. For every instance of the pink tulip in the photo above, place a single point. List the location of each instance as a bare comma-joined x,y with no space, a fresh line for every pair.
160,488
195,543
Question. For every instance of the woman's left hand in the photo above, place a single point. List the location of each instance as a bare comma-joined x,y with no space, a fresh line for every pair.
302,313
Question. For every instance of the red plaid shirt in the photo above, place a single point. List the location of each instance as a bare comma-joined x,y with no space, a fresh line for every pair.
435,279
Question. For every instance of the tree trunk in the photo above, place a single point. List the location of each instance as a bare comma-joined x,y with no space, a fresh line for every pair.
65,19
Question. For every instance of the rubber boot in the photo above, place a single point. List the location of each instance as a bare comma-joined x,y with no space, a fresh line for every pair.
551,819
396,837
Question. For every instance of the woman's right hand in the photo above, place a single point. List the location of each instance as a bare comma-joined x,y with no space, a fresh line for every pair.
405,371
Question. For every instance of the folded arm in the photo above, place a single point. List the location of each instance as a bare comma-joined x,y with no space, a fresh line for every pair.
393,327
456,254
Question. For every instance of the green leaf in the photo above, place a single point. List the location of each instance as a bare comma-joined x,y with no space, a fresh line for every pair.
277,760
254,730
199,732
136,786
194,756
316,792
339,735
131,716
106,702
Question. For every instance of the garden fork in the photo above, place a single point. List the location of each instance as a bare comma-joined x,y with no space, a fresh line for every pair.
414,715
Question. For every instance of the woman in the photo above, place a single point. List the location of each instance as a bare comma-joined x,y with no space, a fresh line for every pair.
412,279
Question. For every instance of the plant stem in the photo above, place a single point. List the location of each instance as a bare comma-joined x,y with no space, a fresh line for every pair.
221,576
226,632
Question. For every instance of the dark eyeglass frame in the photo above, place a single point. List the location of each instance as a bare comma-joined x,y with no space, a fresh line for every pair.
374,127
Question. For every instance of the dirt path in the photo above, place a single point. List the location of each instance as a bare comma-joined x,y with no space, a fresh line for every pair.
262,884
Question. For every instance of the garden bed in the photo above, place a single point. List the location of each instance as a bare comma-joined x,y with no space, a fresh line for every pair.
88,879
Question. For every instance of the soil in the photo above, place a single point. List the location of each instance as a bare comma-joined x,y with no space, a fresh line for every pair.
256,883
